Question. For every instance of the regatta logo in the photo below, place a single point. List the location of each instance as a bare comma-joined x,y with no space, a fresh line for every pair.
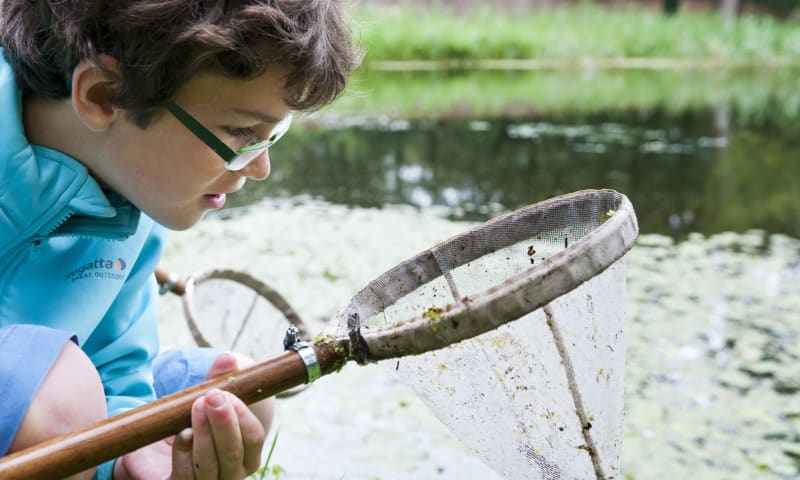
100,268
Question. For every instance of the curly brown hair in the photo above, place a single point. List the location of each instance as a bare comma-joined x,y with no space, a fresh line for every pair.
161,44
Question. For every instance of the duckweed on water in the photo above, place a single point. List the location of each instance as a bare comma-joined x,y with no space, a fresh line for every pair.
712,355
712,383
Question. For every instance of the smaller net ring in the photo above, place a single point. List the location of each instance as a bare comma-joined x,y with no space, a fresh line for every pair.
261,288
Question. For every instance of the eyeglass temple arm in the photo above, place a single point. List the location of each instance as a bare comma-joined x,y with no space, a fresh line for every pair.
202,132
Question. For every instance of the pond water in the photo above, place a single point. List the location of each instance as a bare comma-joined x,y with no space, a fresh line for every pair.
713,340
693,172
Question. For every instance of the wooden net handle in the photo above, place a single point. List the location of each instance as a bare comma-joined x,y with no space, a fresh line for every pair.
118,435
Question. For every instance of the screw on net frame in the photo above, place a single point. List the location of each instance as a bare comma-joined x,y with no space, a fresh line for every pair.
423,304
218,305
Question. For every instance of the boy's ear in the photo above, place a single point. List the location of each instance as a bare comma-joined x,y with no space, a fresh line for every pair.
93,91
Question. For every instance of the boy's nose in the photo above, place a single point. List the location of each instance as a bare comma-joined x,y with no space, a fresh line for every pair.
258,169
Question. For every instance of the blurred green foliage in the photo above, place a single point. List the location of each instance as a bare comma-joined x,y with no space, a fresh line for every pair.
570,34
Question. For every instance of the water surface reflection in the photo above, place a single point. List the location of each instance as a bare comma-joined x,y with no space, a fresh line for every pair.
689,172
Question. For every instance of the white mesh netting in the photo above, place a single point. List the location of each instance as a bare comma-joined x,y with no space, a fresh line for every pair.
506,394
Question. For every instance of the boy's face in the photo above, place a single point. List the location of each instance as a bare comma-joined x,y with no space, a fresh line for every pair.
170,173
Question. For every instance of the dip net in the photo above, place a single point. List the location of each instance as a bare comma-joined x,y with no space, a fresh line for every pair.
540,397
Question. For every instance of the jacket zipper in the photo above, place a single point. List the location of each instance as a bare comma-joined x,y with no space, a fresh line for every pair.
36,242
17,257
53,225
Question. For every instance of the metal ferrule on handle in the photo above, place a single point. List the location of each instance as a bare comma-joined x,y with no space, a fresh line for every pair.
306,350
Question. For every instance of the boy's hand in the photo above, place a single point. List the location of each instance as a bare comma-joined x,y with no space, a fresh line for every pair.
225,441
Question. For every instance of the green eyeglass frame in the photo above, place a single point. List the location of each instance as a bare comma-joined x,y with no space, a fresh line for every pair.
234,159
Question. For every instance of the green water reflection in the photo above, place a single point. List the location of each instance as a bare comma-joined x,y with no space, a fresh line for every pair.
752,95
687,172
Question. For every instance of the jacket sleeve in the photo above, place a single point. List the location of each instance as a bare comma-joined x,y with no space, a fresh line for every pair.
125,342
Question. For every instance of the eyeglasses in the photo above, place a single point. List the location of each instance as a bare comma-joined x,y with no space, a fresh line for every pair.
235,159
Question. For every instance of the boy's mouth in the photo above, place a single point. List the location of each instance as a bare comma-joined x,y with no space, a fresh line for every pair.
215,200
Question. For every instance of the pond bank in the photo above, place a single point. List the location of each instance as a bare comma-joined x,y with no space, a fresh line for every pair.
711,386
582,64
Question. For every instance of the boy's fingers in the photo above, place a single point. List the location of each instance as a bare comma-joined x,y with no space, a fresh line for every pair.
182,468
204,454
225,362
224,426
253,435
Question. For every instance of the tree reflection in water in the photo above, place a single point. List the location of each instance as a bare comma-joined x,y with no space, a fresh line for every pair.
688,172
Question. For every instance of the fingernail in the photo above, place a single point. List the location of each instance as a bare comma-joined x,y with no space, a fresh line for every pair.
215,398
228,356
186,435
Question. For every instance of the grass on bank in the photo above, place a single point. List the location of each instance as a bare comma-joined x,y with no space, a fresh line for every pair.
570,35
266,471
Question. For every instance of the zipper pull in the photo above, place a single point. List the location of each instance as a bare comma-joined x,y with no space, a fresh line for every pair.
36,247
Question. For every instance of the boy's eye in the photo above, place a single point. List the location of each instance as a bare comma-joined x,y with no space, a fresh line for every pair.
244,136
240,132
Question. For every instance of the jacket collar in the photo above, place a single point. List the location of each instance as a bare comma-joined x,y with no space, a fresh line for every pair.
37,183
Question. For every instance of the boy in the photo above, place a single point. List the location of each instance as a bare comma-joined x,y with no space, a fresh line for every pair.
118,119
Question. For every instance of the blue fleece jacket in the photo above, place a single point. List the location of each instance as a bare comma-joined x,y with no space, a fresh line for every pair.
75,257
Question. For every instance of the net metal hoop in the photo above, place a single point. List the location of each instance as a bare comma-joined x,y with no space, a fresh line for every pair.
508,300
